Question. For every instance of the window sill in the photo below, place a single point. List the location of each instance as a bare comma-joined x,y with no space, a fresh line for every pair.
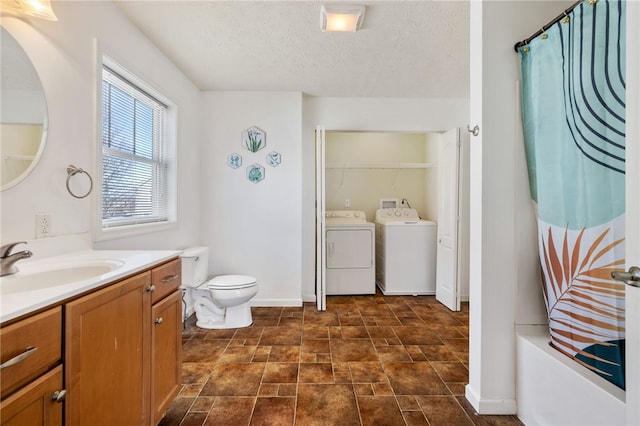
105,234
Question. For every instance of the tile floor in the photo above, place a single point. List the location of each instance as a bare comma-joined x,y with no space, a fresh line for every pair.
367,360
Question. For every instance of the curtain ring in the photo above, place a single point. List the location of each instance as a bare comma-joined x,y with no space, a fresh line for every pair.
475,131
72,171
544,35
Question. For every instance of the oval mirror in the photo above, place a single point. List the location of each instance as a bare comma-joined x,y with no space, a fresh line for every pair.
23,113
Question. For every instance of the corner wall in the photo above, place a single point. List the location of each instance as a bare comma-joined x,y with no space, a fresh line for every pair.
504,285
62,53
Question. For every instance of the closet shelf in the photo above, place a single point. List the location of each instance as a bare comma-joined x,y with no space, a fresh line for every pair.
379,165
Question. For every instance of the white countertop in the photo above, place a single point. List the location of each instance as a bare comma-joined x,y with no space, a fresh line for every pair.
15,304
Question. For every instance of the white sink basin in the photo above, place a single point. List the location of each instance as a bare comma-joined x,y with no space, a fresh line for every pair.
47,275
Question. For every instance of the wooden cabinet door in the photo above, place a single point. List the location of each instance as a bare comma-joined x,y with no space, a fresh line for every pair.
166,350
107,355
33,405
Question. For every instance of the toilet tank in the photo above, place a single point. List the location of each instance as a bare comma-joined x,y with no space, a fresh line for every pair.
195,266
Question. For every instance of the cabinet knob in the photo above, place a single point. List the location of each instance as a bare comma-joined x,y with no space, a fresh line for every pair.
158,320
59,396
151,288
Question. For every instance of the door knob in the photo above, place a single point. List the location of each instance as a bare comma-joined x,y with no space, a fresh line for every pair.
631,278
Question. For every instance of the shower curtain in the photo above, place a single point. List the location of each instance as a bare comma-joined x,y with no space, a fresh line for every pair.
573,106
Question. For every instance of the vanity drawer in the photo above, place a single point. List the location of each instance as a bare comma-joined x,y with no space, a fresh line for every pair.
29,348
166,278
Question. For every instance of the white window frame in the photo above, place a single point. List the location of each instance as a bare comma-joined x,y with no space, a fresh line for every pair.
124,228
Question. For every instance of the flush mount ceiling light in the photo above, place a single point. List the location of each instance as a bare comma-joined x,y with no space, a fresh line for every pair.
341,17
36,8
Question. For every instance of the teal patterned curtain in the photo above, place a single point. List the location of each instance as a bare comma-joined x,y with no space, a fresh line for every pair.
573,104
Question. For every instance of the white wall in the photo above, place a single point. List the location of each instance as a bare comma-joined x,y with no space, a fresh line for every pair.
62,53
365,114
504,283
364,187
254,228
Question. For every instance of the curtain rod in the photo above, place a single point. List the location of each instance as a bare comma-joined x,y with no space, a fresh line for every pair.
546,27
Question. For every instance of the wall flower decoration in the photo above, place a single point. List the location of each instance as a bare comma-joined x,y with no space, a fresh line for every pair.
274,158
234,160
255,173
254,139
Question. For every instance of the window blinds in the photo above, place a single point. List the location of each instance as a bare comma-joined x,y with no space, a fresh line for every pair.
134,163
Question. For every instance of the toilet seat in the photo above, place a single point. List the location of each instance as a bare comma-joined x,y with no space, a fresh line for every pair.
229,282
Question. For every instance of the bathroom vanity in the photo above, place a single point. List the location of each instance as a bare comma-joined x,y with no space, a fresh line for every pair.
108,354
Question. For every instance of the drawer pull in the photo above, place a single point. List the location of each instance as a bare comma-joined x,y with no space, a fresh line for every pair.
158,320
16,359
151,288
59,396
170,278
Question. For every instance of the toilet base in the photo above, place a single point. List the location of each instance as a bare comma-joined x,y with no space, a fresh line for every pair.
234,317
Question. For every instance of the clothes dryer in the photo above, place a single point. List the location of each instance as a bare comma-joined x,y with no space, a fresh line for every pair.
350,251
405,252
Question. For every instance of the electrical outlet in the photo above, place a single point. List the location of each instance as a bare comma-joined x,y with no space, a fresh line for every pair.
43,225
347,203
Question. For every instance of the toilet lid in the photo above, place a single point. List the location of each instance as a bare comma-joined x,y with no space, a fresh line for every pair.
231,282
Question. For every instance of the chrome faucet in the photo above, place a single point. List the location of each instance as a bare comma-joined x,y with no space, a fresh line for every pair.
8,260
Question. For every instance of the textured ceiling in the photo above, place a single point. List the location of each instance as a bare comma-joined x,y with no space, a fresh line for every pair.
404,49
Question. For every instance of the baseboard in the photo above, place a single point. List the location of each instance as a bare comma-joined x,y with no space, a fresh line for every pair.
490,406
309,298
275,302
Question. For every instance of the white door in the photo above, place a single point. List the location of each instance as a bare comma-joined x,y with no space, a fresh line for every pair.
632,248
321,257
447,288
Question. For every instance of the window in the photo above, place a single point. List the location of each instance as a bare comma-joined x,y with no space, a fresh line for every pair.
137,159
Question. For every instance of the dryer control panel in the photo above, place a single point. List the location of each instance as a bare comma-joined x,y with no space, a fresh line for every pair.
346,214
396,214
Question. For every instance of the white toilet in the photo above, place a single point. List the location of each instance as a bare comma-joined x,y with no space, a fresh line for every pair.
219,302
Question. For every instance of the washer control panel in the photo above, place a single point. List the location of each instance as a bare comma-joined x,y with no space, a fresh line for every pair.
397,214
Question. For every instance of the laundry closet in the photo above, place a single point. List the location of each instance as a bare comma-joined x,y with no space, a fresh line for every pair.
366,171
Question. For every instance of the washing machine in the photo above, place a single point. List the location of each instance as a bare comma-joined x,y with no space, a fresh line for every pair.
405,252
350,250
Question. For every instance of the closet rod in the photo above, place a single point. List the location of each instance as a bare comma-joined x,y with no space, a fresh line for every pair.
546,27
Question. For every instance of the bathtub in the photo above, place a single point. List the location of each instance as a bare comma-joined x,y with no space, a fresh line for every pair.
552,389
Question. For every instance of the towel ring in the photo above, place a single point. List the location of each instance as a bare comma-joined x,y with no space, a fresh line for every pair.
72,171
